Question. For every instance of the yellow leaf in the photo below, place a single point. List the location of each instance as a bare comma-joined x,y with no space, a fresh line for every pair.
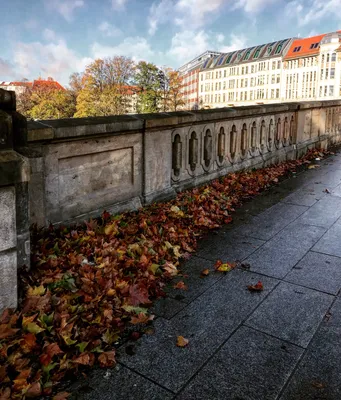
32,327
182,342
36,291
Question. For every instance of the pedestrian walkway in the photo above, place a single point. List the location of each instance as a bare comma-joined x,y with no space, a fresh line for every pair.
280,343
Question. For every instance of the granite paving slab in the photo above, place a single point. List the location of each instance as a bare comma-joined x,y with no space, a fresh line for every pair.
267,224
324,213
167,307
191,276
280,254
119,383
229,246
291,313
250,366
317,271
330,243
306,196
207,322
318,375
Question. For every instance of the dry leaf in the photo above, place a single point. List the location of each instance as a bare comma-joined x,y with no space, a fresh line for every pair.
258,287
180,285
182,342
205,272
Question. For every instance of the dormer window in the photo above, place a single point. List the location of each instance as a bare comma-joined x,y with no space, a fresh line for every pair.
247,55
257,53
269,50
279,48
297,49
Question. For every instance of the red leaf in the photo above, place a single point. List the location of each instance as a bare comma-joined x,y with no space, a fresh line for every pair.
180,285
6,331
138,294
34,390
61,396
258,287
107,359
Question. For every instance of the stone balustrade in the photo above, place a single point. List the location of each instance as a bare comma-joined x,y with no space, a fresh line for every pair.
80,167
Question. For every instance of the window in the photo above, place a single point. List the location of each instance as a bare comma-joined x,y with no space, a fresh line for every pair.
242,83
333,56
279,64
239,56
328,57
256,55
242,70
321,91
251,95
332,73
219,74
246,70
229,58
224,73
216,86
252,69
242,96
278,79
215,98
202,88
273,64
331,90
224,98
327,73
218,98
321,77
279,48
224,85
216,75
269,50
277,93
273,79
246,82
325,90
247,55
297,49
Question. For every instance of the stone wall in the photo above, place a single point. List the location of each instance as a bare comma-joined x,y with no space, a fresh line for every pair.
79,167
14,222
71,170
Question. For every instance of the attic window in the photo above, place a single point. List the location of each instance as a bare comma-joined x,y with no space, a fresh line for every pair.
279,48
257,53
239,56
297,49
247,55
229,59
269,50
314,45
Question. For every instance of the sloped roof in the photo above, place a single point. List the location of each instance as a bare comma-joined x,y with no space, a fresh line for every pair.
255,53
46,84
304,47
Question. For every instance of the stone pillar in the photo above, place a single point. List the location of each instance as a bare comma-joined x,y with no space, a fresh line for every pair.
14,221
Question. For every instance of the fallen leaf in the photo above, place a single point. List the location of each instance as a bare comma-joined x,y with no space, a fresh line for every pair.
180,285
205,272
141,318
224,267
318,385
182,342
313,166
326,191
34,390
258,287
61,396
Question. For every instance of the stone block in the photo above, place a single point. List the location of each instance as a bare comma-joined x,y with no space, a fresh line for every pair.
8,280
292,313
207,322
250,366
330,242
8,218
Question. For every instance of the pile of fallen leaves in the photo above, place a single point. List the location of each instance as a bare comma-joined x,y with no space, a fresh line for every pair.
87,283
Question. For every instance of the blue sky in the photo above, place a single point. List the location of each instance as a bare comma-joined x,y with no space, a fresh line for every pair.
58,37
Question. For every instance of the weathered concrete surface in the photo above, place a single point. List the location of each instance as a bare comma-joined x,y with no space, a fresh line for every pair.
283,343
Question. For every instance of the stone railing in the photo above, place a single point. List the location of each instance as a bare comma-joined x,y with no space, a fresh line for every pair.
80,167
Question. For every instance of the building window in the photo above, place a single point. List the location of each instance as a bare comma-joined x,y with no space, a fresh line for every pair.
331,90
278,79
224,73
321,91
246,70
332,73
224,98
325,91
277,93
333,56
321,77
242,70
224,85
297,49
273,64
257,53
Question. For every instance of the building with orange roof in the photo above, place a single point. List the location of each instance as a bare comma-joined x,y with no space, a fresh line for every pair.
19,87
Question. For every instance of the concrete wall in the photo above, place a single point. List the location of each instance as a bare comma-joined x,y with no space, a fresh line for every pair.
80,167
14,222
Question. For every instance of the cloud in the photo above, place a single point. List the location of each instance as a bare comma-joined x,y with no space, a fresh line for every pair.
188,14
220,37
49,35
118,4
6,69
236,43
52,59
315,11
135,47
109,30
65,8
254,6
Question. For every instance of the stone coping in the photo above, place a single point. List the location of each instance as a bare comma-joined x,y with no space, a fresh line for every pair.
62,129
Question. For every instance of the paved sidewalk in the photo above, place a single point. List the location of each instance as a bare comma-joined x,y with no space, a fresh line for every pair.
282,343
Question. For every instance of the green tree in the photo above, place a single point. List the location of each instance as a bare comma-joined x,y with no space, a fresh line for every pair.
149,80
52,104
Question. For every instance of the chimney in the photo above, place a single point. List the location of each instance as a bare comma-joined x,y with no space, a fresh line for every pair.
50,79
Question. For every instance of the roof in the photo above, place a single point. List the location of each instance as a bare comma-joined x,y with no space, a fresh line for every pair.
46,84
304,47
255,53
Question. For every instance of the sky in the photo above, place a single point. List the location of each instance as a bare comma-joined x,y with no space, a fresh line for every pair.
58,37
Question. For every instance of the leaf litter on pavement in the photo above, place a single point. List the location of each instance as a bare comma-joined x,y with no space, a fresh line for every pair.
88,283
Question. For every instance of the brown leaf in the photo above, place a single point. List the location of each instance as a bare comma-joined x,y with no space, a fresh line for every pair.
326,191
318,385
182,342
107,359
180,285
205,272
141,318
83,359
34,390
6,331
258,287
61,396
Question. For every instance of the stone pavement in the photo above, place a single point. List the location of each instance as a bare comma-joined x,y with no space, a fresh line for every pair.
282,343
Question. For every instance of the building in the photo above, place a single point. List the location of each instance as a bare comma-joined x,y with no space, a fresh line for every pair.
247,76
38,84
190,75
292,69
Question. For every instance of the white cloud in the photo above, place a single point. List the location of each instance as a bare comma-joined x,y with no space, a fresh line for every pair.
51,59
49,35
118,4
109,30
159,14
135,47
6,69
236,43
254,6
65,7
220,37
314,11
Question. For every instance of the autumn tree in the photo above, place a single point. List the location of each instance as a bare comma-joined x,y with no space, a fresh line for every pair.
103,87
175,93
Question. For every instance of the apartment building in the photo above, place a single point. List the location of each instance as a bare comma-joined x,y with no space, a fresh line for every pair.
293,69
190,79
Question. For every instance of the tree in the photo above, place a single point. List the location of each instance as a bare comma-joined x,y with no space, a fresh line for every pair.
150,82
52,104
